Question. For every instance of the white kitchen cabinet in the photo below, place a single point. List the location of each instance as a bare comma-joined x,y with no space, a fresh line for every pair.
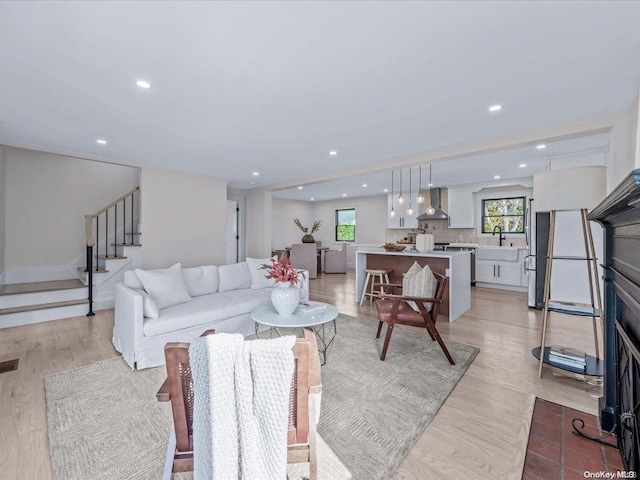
401,219
461,211
501,272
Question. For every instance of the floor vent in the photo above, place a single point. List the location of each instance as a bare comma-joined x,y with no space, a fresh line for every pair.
9,366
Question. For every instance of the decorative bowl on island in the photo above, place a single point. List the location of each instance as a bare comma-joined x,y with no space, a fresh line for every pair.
392,247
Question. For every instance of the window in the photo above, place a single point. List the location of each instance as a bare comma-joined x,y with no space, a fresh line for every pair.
506,213
346,225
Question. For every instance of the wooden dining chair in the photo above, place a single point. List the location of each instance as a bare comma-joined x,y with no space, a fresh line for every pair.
304,406
393,310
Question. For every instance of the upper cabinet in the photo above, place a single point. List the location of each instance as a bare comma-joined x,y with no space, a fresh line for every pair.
461,211
401,219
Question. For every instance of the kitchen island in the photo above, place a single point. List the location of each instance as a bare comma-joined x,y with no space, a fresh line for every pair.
455,265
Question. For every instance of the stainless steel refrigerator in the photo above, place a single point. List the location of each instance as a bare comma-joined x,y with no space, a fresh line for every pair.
569,280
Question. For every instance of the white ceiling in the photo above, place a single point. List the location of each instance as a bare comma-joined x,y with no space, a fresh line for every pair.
469,170
273,86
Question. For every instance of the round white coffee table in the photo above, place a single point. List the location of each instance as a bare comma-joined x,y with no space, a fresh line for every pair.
315,321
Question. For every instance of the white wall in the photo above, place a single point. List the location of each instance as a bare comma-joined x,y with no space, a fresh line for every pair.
284,231
2,211
634,130
371,218
46,198
258,223
183,218
371,221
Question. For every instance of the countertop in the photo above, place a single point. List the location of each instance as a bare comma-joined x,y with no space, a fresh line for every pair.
410,253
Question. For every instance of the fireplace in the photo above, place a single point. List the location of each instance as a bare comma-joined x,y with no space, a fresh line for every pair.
619,214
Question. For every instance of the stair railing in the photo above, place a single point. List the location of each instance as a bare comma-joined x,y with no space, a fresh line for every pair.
93,242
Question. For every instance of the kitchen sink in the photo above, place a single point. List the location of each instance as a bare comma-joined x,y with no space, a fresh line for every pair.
509,254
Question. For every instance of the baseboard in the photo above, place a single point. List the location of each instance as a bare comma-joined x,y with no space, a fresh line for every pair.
495,286
104,304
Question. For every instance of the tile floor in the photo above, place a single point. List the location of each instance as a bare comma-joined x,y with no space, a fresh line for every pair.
554,453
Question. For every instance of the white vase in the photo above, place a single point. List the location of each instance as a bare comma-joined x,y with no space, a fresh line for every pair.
424,242
285,298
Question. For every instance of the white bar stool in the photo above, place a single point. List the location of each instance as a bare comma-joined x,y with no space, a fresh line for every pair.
382,276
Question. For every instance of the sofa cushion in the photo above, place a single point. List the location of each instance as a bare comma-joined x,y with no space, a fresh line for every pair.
205,310
149,307
132,280
234,277
201,280
165,287
258,274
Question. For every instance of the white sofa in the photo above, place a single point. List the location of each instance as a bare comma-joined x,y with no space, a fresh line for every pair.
222,298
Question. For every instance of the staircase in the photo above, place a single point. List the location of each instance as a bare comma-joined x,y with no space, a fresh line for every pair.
112,247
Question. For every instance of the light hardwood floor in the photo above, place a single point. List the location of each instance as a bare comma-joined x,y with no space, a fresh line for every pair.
478,432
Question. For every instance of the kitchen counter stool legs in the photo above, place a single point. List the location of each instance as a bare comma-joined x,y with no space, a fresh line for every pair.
374,276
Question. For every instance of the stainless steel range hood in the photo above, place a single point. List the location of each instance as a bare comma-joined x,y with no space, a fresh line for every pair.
436,203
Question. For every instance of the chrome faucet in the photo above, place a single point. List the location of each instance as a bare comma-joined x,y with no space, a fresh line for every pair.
500,237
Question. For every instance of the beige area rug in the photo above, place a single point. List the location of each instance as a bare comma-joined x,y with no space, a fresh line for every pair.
104,421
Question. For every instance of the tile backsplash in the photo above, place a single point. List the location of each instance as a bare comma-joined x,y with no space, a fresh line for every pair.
443,234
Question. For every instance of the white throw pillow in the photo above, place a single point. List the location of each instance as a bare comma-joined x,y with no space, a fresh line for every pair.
234,277
165,287
258,274
149,307
201,280
419,282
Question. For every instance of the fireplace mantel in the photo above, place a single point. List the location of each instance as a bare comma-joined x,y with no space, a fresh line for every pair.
619,214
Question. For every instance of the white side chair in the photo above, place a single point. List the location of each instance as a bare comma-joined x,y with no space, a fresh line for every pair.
335,261
304,256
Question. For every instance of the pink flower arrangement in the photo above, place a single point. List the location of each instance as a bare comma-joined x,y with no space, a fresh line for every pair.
282,271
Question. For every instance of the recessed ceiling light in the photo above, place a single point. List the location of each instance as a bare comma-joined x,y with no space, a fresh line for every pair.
386,190
344,194
430,185
143,84
312,199
255,174
333,152
364,185
101,141
541,146
300,187
495,108
522,165
496,177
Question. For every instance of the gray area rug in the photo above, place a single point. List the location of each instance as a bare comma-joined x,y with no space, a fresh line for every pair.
104,421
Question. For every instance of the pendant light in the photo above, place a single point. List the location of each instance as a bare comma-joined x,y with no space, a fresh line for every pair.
392,212
420,197
410,210
430,210
400,196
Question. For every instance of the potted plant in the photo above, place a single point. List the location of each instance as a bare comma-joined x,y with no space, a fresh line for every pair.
308,235
285,297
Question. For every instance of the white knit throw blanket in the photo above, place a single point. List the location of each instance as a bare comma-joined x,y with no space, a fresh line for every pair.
241,406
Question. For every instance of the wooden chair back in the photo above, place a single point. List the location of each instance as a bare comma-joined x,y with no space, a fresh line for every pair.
440,289
178,389
393,309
